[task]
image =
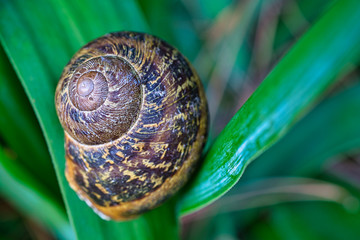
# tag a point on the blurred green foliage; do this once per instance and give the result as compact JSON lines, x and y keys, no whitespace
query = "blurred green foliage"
{"x":301,"y":124}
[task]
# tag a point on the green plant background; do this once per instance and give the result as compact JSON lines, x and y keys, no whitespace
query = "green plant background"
{"x":282,"y":82}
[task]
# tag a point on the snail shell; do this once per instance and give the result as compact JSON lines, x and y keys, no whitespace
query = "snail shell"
{"x":135,"y":119}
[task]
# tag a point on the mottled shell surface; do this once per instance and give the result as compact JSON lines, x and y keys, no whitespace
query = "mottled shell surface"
{"x":135,"y":119}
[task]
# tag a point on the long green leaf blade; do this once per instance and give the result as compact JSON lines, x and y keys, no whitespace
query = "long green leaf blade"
{"x":331,"y":129}
{"x":18,"y":121}
{"x":31,"y":198}
{"x":284,"y":96}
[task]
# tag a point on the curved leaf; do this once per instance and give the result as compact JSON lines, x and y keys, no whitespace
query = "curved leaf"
{"x":332,"y":128}
{"x":285,"y":95}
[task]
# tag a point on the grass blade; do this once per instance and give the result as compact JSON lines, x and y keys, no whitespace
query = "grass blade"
{"x":332,"y":128}
{"x":285,"y":95}
{"x":29,"y":196}
{"x":20,"y":130}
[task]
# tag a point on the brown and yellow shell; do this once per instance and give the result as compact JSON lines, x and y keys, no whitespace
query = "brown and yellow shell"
{"x":135,"y":119}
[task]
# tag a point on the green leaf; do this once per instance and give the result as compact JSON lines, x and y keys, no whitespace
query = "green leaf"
{"x":20,"y":130}
{"x":285,"y":95}
{"x":39,"y":37}
{"x":31,"y":198}
{"x":332,"y":128}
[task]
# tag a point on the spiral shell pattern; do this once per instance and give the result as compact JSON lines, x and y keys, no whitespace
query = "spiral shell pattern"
{"x":135,"y":119}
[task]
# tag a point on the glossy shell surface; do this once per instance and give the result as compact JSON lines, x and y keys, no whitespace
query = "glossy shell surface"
{"x":135,"y":120}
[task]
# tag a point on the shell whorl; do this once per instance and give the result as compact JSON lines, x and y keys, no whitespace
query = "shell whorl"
{"x":135,"y":119}
{"x":105,"y":99}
